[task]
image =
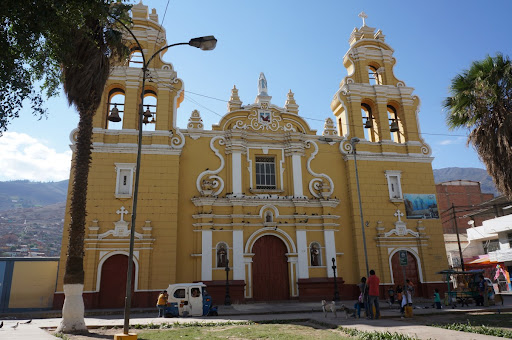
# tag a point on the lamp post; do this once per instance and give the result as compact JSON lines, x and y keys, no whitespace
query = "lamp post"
{"x":207,"y":43}
{"x":353,"y":142}
{"x":336,"y":294}
{"x":227,"y":298}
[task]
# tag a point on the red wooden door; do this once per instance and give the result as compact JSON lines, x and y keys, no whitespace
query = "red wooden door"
{"x":113,"y":281}
{"x":411,"y":272}
{"x":270,"y":280}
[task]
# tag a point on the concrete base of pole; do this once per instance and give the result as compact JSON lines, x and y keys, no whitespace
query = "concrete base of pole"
{"x":129,"y":336}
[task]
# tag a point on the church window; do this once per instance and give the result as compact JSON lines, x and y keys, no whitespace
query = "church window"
{"x":395,"y":125}
{"x":124,"y":179}
{"x":315,"y":254}
{"x":149,"y":110}
{"x":373,"y":75}
{"x":265,"y":173}
{"x":136,"y":59}
{"x":115,"y":109}
{"x":222,"y":255}
{"x":368,"y":122}
{"x":394,"y":185}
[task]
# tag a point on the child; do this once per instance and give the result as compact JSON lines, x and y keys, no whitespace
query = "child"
{"x":437,"y":299}
{"x":391,"y":294}
{"x":399,"y":295}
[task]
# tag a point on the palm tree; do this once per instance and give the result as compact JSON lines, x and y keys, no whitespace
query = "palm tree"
{"x":86,"y":65}
{"x":481,"y":101}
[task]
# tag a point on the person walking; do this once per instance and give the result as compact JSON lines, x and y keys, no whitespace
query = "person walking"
{"x":437,"y":299}
{"x":484,"y":291}
{"x":373,"y":293}
{"x":162,"y":303}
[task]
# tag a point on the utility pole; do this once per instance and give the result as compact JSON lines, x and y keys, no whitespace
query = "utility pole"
{"x":458,"y":238}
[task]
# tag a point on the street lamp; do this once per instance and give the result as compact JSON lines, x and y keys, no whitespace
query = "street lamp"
{"x":206,"y":43}
{"x":336,"y":294}
{"x":227,"y":298}
{"x":353,"y":142}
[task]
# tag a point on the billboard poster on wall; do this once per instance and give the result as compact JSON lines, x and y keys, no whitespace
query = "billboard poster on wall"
{"x":421,"y":206}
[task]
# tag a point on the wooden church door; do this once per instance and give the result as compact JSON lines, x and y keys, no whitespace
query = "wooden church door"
{"x":270,"y":280}
{"x":411,"y":272}
{"x":113,"y":281}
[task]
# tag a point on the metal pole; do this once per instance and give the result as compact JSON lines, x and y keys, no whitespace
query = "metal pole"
{"x":353,"y":142}
{"x":227,"y":298}
{"x":336,"y":294}
{"x":458,"y":238}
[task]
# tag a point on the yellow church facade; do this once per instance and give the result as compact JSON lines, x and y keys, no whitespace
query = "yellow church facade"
{"x":261,"y":192}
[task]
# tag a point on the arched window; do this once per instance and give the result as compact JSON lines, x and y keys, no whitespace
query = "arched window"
{"x":374,"y":76}
{"x":368,"y":122}
{"x":315,"y":254}
{"x":115,"y":109}
{"x":136,"y":59}
{"x":222,"y":255}
{"x":149,"y":110}
{"x":395,"y":125}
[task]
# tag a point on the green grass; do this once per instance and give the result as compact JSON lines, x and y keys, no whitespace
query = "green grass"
{"x":479,"y":329}
{"x":278,"y":331}
{"x":364,"y":335}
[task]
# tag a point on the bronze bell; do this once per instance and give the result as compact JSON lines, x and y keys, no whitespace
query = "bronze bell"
{"x":369,"y":123}
{"x":393,"y":127}
{"x":114,"y":114}
{"x":147,"y":115}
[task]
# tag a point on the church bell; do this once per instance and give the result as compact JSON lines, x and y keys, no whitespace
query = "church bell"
{"x":393,"y":127}
{"x":114,"y":114}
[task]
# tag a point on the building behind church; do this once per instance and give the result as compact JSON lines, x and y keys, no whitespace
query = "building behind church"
{"x":261,"y":190}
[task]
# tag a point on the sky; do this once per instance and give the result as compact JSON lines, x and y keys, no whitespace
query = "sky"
{"x":299,"y":46}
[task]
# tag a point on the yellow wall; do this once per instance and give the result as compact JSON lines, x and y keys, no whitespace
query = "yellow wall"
{"x":33,"y":284}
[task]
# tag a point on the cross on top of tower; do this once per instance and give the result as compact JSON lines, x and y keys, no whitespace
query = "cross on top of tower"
{"x":122,"y":212}
{"x":363,"y":16}
{"x":399,"y":214}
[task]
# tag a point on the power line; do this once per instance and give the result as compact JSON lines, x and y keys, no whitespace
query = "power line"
{"x":303,"y":117}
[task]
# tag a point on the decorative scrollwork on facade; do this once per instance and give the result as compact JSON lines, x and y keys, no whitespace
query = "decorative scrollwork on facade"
{"x":208,"y":183}
{"x":178,"y":141}
{"x":269,"y":122}
{"x":345,"y":147}
{"x":322,"y":186}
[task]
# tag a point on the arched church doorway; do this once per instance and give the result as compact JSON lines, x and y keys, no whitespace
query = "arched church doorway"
{"x":113,"y":281}
{"x":411,"y":272}
{"x":270,"y":280}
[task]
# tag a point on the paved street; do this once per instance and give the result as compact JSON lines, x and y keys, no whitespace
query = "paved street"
{"x":390,"y":321}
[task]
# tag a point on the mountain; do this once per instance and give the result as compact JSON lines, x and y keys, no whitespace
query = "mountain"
{"x":470,"y":174}
{"x":26,"y":194}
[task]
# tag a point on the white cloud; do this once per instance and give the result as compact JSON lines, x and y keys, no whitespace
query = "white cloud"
{"x":24,"y":157}
{"x":447,"y":142}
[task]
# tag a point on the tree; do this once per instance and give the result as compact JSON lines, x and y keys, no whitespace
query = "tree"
{"x":73,"y":42}
{"x":481,"y":101}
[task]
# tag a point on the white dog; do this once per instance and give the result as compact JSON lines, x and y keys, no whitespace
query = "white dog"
{"x":329,"y":307}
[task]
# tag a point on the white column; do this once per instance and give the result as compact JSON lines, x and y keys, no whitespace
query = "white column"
{"x":206,"y":255}
{"x":236,"y":172}
{"x":302,"y":251}
{"x":330,"y":252}
{"x":297,"y":175}
{"x":238,"y":255}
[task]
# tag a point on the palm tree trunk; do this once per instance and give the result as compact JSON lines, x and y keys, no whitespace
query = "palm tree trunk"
{"x":73,"y":309}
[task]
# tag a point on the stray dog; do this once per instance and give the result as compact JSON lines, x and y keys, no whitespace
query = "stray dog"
{"x":348,"y":311}
{"x":329,"y":307}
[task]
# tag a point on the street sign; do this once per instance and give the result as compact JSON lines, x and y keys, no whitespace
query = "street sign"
{"x":403,"y":257}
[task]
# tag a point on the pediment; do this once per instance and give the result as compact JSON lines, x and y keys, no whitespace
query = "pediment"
{"x":265,"y":119}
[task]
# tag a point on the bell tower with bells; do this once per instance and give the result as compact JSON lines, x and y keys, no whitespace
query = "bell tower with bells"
{"x":371,"y":103}
{"x":163,"y":90}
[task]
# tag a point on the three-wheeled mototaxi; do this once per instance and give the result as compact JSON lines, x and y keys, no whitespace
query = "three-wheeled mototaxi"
{"x":189,"y":299}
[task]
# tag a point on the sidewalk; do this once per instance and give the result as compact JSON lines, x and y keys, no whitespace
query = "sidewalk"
{"x":259,"y":312}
